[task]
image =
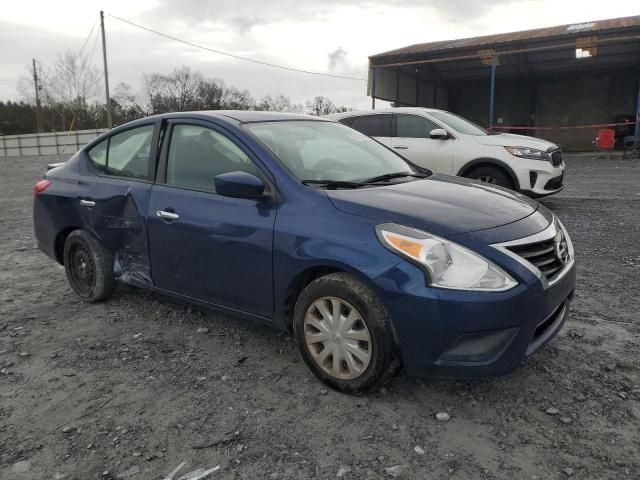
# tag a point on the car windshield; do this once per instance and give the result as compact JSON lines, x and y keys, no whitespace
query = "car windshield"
{"x":328,"y":151}
{"x":459,"y":124}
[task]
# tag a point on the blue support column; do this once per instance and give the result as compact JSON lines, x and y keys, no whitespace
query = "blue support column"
{"x":494,"y":64}
{"x":373,"y":88}
{"x":636,"y":131}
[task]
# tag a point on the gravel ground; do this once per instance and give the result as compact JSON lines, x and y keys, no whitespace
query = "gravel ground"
{"x":132,"y":387}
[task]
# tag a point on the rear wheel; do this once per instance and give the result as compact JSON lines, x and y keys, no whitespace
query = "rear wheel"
{"x":344,"y":334}
{"x":492,"y":175}
{"x":89,"y":267}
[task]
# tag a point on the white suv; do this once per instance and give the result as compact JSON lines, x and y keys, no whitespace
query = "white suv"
{"x":447,"y":143}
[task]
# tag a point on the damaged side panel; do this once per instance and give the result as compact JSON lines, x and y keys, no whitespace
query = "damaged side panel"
{"x":118,"y":219}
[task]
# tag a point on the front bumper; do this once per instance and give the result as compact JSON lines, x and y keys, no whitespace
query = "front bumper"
{"x":457,"y":334}
{"x":552,"y":185}
{"x":539,"y":179}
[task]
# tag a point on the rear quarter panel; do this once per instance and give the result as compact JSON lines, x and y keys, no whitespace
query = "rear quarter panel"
{"x":56,"y":209}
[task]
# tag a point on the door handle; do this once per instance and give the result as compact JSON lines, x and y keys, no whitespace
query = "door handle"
{"x":167,"y":215}
{"x":87,"y":203}
{"x":401,"y":147}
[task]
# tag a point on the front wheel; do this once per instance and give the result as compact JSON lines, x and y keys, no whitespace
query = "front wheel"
{"x":89,"y":267}
{"x":491,"y":175}
{"x":344,"y":334}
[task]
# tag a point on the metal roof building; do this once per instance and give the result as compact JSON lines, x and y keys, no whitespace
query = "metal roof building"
{"x":532,"y":81}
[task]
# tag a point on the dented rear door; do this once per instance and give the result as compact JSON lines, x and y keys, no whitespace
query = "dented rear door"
{"x":113,"y":196}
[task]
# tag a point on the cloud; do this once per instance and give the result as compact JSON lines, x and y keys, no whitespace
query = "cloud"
{"x":337,"y":59}
{"x":18,"y":45}
{"x":276,"y":11}
{"x":333,"y":36}
{"x":244,"y":24}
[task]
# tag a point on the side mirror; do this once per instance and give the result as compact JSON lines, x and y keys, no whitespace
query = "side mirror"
{"x":238,"y":185}
{"x":438,"y":134}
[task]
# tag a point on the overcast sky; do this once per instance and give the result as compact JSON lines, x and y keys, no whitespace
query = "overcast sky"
{"x":334,"y":36}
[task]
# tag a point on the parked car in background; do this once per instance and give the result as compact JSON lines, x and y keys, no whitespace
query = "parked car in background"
{"x":447,"y":143}
{"x":308,"y":225}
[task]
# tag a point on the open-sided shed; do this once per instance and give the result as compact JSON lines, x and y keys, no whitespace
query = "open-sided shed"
{"x":566,"y":76}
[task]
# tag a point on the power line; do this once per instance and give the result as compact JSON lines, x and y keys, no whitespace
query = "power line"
{"x":260,"y":62}
{"x":93,"y":46}
{"x":88,"y":37}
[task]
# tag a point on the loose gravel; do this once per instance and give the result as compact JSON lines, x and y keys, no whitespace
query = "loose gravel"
{"x":133,"y":387}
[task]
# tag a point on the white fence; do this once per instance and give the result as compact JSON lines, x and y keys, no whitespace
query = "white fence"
{"x":50,"y":143}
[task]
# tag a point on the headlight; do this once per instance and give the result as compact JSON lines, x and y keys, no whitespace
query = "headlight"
{"x":526,"y":152}
{"x":447,"y":265}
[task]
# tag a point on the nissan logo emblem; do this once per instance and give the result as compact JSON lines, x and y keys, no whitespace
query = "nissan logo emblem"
{"x":562,"y":250}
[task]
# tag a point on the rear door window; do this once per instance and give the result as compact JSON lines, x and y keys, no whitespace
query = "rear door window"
{"x":124,"y":154}
{"x":373,"y":125}
{"x":413,"y":126}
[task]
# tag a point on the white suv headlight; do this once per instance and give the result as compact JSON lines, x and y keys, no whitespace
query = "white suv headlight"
{"x":526,"y":152}
{"x":447,"y":264}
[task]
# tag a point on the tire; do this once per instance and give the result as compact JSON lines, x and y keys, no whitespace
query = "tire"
{"x":89,"y":267}
{"x":354,"y":374}
{"x":492,"y":175}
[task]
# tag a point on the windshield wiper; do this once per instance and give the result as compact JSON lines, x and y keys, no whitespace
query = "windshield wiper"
{"x":389,"y":176}
{"x":333,"y":183}
{"x":363,"y":183}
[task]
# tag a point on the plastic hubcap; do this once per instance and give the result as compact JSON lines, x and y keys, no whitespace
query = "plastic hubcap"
{"x":337,"y":338}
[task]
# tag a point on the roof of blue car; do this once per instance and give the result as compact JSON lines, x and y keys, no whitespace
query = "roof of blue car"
{"x":246,"y":115}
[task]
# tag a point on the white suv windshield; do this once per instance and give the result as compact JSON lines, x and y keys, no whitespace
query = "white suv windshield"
{"x":317,"y":150}
{"x":458,"y":123}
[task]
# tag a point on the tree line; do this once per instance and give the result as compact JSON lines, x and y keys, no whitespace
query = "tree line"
{"x":70,"y":98}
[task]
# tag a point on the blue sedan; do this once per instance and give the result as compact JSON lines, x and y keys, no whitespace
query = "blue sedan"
{"x":310,"y":226}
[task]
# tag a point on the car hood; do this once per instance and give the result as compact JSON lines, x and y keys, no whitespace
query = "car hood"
{"x":512,"y":140}
{"x":440,"y":204}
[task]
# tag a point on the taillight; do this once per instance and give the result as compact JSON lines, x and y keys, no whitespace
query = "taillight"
{"x":41,"y":186}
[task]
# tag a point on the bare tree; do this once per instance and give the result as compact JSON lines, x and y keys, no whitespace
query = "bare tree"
{"x":182,"y":88}
{"x":179,"y":91}
{"x":320,"y":106}
{"x":279,"y":103}
{"x":72,"y":82}
{"x":234,"y":99}
{"x":69,"y":90}
{"x":125,"y":104}
{"x":210,"y":94}
{"x":153,"y":94}
{"x":70,"y":95}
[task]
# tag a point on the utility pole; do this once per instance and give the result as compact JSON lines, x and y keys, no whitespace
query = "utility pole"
{"x":37,"y":87}
{"x":106,"y":71}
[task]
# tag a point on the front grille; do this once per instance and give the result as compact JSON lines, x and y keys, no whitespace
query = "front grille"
{"x":542,"y":255}
{"x":556,"y":158}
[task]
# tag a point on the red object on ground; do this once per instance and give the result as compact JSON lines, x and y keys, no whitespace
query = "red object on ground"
{"x":606,"y":139}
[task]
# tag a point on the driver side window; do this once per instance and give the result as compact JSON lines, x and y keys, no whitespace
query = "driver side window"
{"x":413,"y":126}
{"x":198,"y":154}
{"x":124,"y":154}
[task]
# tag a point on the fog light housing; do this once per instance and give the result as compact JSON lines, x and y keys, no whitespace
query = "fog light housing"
{"x":478,"y":347}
